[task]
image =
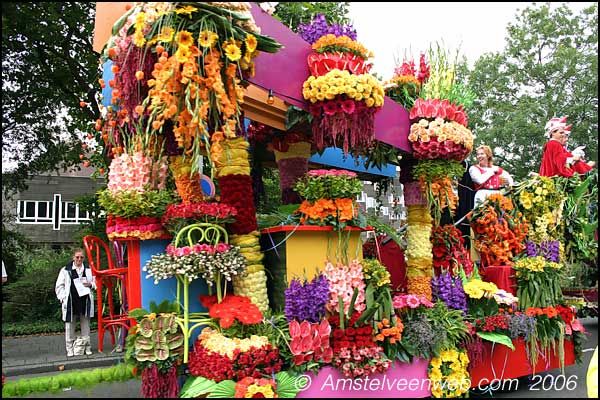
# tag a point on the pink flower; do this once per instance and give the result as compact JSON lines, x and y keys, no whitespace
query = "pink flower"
{"x":348,"y":106}
{"x":222,"y":247}
{"x":330,"y":108}
{"x":412,"y":301}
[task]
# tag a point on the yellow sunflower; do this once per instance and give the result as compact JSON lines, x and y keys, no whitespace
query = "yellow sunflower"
{"x":166,"y":34}
{"x":251,"y":43}
{"x":184,"y":38}
{"x":233,"y":52}
{"x":207,"y":38}
{"x":186,"y":10}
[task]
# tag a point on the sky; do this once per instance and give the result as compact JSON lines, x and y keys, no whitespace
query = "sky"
{"x":396,"y":29}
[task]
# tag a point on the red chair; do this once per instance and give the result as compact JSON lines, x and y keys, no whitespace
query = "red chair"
{"x":106,"y":277}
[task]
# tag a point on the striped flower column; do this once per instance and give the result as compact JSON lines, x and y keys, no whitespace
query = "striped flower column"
{"x":235,"y":183}
{"x":419,"y":252}
{"x":293,"y":164}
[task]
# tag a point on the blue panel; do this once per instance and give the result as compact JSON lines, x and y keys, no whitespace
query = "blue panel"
{"x":334,"y":157}
{"x":107,"y":75}
{"x":166,"y":288}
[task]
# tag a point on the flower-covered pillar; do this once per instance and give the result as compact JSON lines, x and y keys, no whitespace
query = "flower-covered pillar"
{"x":233,"y":172}
{"x":419,"y":256}
{"x":292,"y":161}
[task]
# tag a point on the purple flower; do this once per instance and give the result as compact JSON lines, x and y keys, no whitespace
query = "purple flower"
{"x":450,"y":291}
{"x":319,"y":27}
{"x":306,"y":301}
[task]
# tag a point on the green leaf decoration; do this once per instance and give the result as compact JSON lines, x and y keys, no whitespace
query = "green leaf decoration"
{"x":143,"y":343}
{"x":161,"y":352}
{"x":146,"y":327}
{"x":196,"y":386}
{"x":497,"y":338}
{"x":223,"y":389}
{"x":138,"y":313}
{"x":175,"y":341}
{"x":286,"y":385}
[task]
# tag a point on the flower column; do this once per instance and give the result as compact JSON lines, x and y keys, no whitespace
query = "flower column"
{"x":233,"y":172}
{"x":419,"y":248}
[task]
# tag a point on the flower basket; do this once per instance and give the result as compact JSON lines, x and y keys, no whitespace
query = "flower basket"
{"x":438,"y":139}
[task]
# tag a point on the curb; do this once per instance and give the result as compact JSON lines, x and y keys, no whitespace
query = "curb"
{"x":69,"y":365}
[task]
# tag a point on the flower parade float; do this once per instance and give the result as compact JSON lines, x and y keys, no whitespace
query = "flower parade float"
{"x":335,"y":318}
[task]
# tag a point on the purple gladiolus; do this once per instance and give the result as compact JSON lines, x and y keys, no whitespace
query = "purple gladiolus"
{"x":319,"y":27}
{"x":450,"y":291}
{"x":306,"y":301}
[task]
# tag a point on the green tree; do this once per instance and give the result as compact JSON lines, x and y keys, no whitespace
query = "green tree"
{"x":48,"y":67}
{"x":293,"y":14}
{"x":548,"y":68}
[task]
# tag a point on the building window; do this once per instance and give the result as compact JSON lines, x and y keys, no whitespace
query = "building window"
{"x":34,"y":212}
{"x":71,"y":214}
{"x":44,"y":212}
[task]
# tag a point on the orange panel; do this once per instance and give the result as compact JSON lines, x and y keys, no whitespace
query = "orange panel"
{"x":107,"y":13}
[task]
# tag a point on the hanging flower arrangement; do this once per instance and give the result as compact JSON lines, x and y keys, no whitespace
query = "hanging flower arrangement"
{"x":202,"y":53}
{"x":343,"y":96}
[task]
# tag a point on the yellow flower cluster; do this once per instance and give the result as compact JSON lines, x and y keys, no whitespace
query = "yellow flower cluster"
{"x":419,"y":243}
{"x":253,"y":283}
{"x":419,"y":256}
{"x":534,"y":264}
{"x":214,"y":341}
{"x":457,"y":382}
{"x":476,"y":289}
{"x":424,"y":130}
{"x":341,"y":43}
{"x":336,"y":82}
{"x":373,"y":270}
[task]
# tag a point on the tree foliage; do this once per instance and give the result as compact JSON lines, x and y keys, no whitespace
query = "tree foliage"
{"x":293,"y":14}
{"x":48,"y":67}
{"x":549,"y":67}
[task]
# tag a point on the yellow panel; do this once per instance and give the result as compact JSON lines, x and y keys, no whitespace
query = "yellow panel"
{"x":308,"y":251}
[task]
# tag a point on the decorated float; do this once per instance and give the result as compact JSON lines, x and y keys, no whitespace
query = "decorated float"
{"x":223,"y":308}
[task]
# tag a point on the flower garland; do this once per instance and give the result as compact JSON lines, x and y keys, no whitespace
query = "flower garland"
{"x":448,"y":374}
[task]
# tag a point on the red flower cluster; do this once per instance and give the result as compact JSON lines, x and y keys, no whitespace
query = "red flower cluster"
{"x":351,"y":336}
{"x":140,"y":227}
{"x":236,"y":191}
{"x":232,"y":308}
{"x":490,"y":324}
{"x":449,"y":249}
{"x":436,"y":108}
{"x":447,"y":150}
{"x":252,"y":363}
{"x":320,"y":64}
{"x":199,"y":210}
{"x":566,"y":313}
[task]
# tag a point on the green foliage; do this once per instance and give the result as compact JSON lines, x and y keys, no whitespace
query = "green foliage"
{"x":14,"y":247}
{"x":37,"y":326}
{"x":131,"y":204}
{"x":59,"y":54}
{"x":32,"y":295}
{"x":97,"y":225}
{"x":549,"y":67}
{"x":313,"y":188}
{"x":293,"y":14}
{"x":79,"y":379}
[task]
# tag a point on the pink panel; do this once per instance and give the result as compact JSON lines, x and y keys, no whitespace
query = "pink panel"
{"x":400,"y":381}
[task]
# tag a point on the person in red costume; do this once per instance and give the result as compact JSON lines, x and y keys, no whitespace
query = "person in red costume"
{"x":556,"y":159}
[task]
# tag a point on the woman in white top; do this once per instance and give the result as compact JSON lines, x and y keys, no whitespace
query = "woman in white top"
{"x":487,"y":177}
